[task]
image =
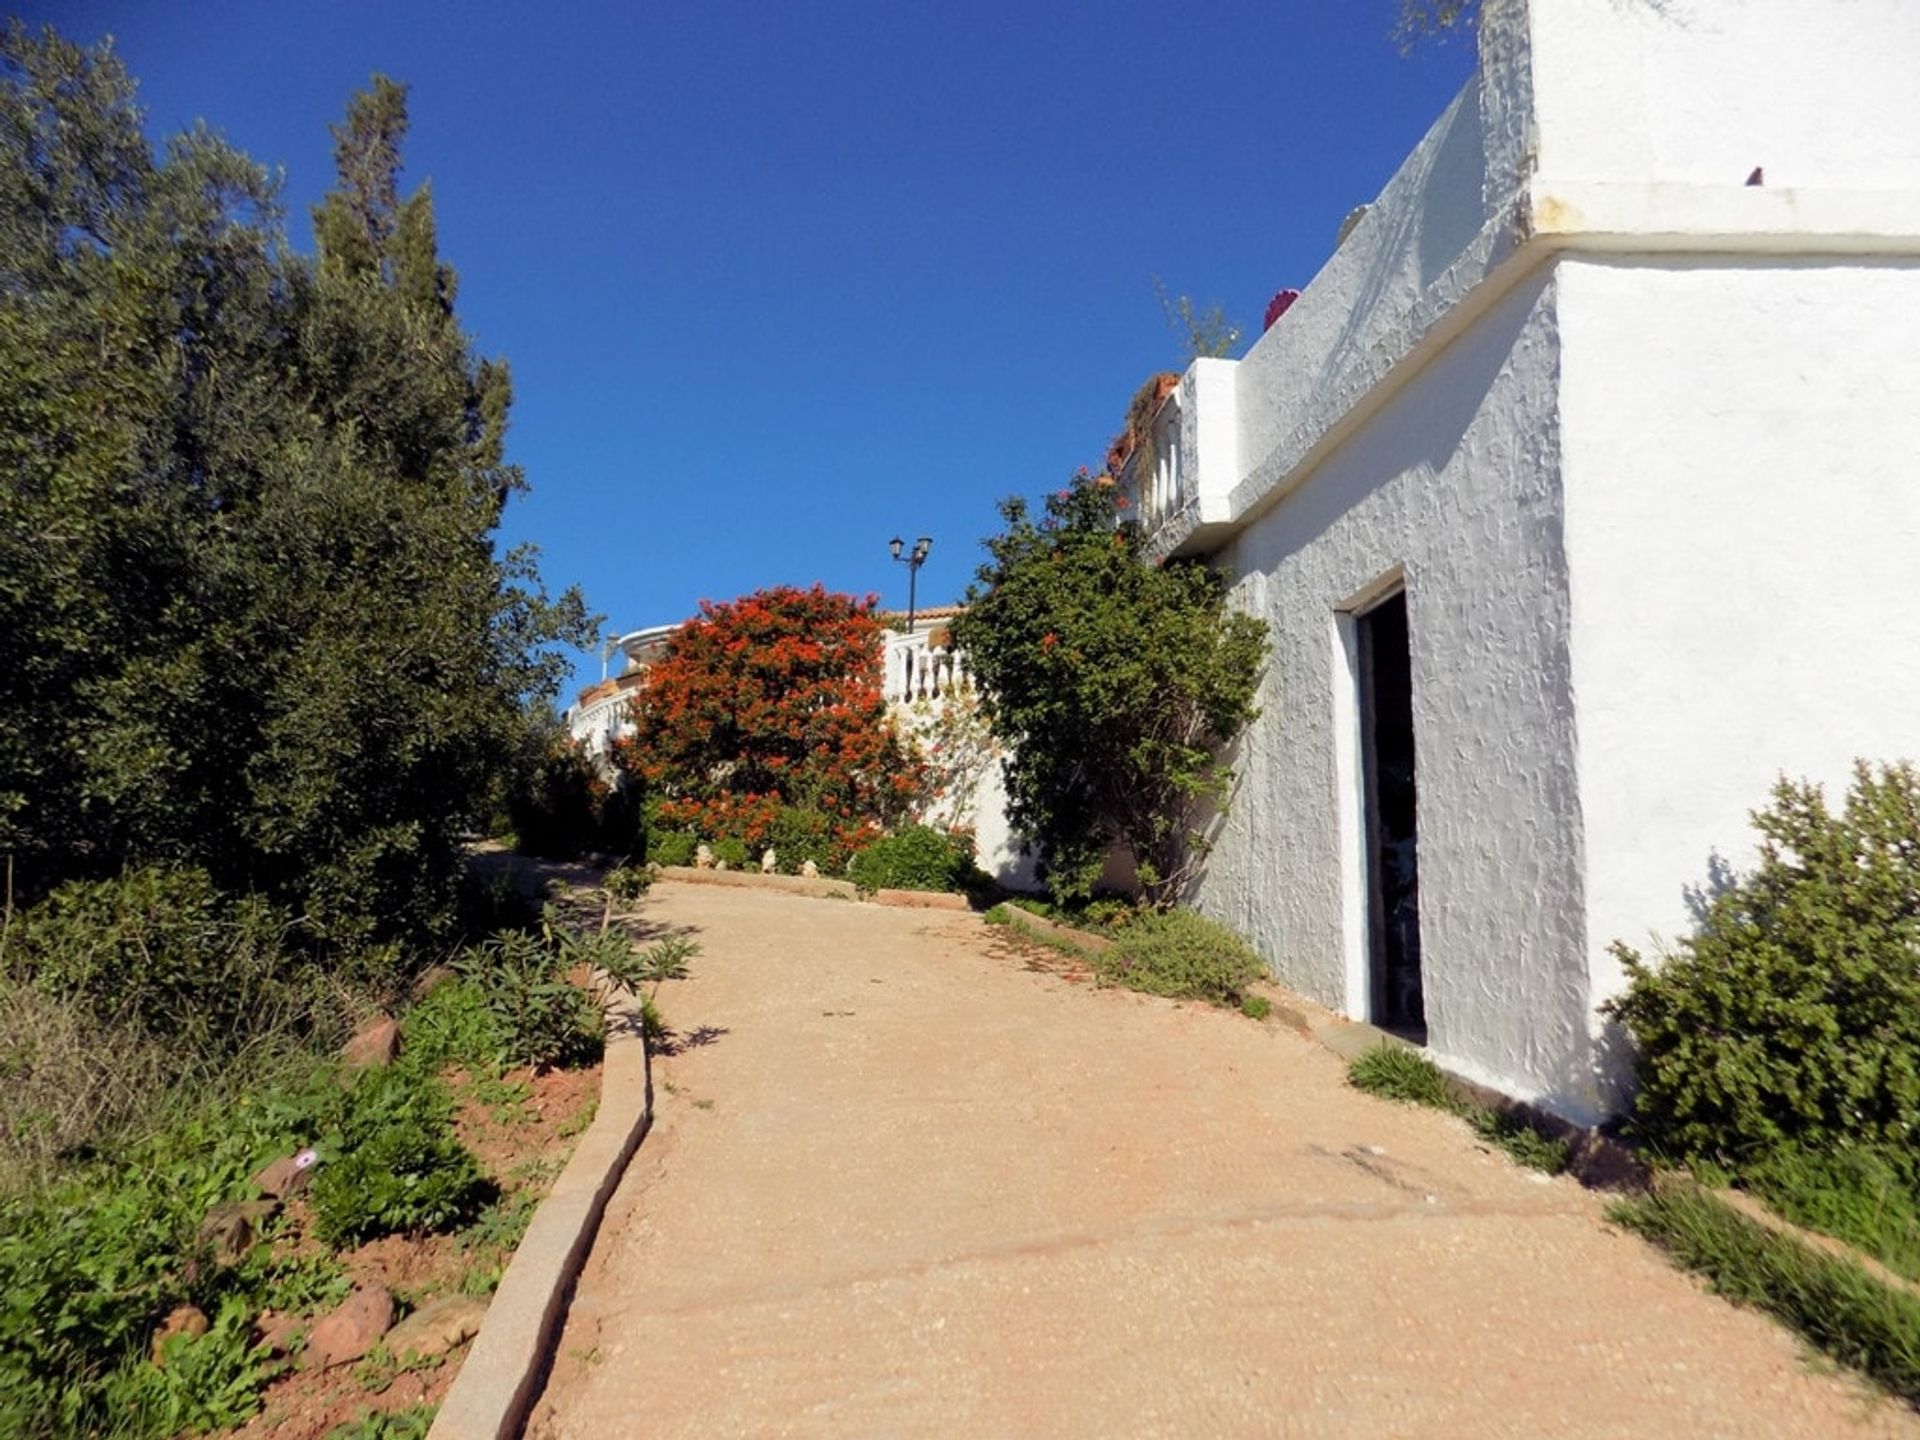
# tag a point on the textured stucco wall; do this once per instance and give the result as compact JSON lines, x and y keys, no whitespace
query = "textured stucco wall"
{"x":1454,"y":483}
{"x":1698,"y":92}
{"x":1742,"y":460}
{"x":1365,"y":305}
{"x":1641,"y":439}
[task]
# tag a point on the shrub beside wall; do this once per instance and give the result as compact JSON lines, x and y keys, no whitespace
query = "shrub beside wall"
{"x":1181,"y":954}
{"x":1792,"y":1016}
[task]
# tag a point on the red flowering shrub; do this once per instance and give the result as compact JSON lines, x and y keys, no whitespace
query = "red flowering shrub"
{"x":767,"y":701}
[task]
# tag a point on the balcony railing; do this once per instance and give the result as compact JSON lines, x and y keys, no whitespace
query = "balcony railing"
{"x":1156,"y":478}
{"x":917,"y":669}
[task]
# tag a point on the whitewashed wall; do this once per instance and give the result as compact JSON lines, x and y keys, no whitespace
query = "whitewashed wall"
{"x":1742,"y":461}
{"x":1698,"y":92}
{"x":1641,"y":440}
{"x":1452,"y":487}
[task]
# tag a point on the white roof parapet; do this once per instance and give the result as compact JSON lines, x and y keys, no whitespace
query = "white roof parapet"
{"x":1622,"y":127}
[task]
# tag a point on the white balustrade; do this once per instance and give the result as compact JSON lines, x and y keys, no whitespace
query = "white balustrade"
{"x":1160,"y":490}
{"x":916,"y":669}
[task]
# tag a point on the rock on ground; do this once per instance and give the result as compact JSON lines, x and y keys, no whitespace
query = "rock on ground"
{"x":438,"y":1326}
{"x":350,"y":1331}
{"x":182,"y":1320}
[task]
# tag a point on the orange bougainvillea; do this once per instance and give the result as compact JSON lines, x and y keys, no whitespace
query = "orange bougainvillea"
{"x":769,"y":700}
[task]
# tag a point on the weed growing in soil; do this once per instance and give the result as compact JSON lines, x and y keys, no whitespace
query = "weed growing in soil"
{"x":210,"y":1381}
{"x":577,"y":1123}
{"x":1523,"y":1144}
{"x":296,"y":1284}
{"x":1008,"y":916}
{"x":413,"y":1423}
{"x":1860,"y":1194}
{"x":381,"y":1367}
{"x":539,"y":1018}
{"x":1833,"y":1302}
{"x":1393,"y":1072}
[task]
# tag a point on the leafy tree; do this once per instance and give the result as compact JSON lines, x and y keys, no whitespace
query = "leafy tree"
{"x":773,"y":700}
{"x":251,"y":615}
{"x":1113,"y":682}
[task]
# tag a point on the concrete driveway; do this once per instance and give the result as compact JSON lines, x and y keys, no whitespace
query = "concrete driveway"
{"x":902,"y":1182}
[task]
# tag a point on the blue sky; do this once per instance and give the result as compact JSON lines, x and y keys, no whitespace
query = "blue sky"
{"x":778,"y":282}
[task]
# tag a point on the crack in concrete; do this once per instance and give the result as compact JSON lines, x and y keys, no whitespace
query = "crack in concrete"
{"x":1171,"y":1227}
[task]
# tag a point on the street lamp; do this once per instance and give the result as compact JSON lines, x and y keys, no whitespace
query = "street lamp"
{"x":913,"y":560}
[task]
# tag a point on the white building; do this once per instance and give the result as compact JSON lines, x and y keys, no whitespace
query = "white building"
{"x":599,"y":716}
{"x":1580,"y":489}
{"x":922,"y":678}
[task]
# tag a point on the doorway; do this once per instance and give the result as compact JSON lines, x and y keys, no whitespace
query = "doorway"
{"x":1397,"y":999}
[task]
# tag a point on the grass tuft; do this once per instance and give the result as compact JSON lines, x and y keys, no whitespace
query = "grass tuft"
{"x":1832,"y":1302}
{"x":1523,"y":1144}
{"x":1394,"y":1072}
{"x":1858,"y":1194}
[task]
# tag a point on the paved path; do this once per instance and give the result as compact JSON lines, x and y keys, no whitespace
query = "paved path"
{"x":910,"y":1186}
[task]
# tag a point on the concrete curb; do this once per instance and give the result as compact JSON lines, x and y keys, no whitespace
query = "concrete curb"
{"x":501,"y":1378}
{"x":819,"y":887}
{"x":921,"y":899}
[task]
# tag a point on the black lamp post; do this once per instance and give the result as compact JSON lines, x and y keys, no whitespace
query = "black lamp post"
{"x":913,"y":560}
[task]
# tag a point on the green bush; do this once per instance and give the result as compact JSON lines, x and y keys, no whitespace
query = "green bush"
{"x":1115,"y":686}
{"x":732,"y":853}
{"x":454,"y":1025}
{"x":92,"y":1259}
{"x":800,"y":834}
{"x":412,"y":1176}
{"x":628,"y":883}
{"x":210,"y":1382}
{"x":671,"y":847}
{"x":389,"y":1160}
{"x":916,"y":858}
{"x":1184,"y":955}
{"x":555,"y":809}
{"x":1792,"y":1015}
{"x":497,"y":898}
{"x":163,"y":951}
{"x":539,"y":1018}
{"x":564,"y":805}
{"x":97,"y":1252}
